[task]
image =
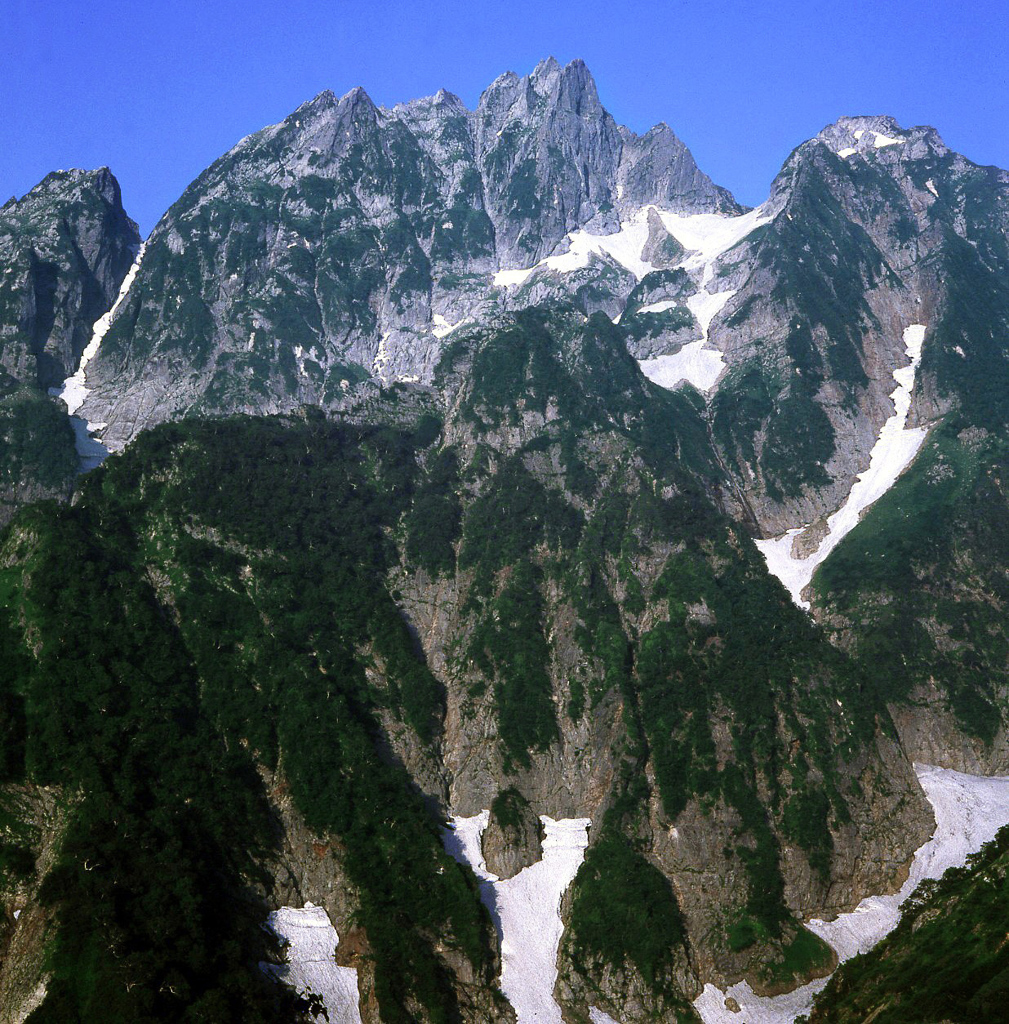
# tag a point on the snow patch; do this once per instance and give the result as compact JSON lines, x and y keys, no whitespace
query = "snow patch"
{"x":892,"y":453}
{"x":705,"y":236}
{"x":381,"y":357}
{"x":930,"y":185}
{"x":526,"y":908}
{"x":858,"y":133}
{"x":510,"y":278}
{"x":74,"y":389}
{"x":442,"y":328}
{"x":969,"y":810}
{"x":705,"y":306}
{"x":850,"y":151}
{"x":882,"y":140}
{"x":598,"y":1017}
{"x":693,"y":364}
{"x":623,"y":246}
{"x":659,"y":307}
{"x":311,"y":966}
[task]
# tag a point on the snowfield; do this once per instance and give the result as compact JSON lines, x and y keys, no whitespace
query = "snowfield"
{"x":74,"y":389}
{"x":694,"y":363}
{"x":623,"y":246}
{"x":526,"y":909}
{"x":892,"y":453}
{"x":969,"y":810}
{"x":705,"y":237}
{"x":311,"y":966}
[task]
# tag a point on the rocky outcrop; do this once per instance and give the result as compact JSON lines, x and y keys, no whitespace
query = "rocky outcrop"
{"x":26,"y":927}
{"x":65,"y":248}
{"x":513,"y":835}
{"x":307,"y":869}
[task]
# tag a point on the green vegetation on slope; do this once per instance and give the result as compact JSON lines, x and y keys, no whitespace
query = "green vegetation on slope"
{"x":947,"y":960}
{"x":220,"y":588}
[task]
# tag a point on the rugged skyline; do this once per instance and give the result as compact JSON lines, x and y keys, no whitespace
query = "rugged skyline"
{"x":741,"y":87}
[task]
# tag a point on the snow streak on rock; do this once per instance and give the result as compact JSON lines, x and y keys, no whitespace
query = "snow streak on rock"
{"x":624,"y":247}
{"x":74,"y":390}
{"x":969,"y":810}
{"x":526,"y":909}
{"x":311,"y":966}
{"x":891,"y":455}
{"x":598,"y":1017}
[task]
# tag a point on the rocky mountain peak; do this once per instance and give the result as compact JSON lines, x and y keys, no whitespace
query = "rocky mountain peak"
{"x":444,"y":98}
{"x":357,"y":105}
{"x":571,"y":87}
{"x":881,"y":134}
{"x":324,"y":101}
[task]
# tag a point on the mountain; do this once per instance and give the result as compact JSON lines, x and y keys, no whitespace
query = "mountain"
{"x":349,"y":241}
{"x":65,"y":248}
{"x":485,"y":563}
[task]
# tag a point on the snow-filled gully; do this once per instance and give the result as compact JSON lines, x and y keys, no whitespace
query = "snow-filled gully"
{"x":969,"y":810}
{"x":310,"y":967}
{"x":895,"y":448}
{"x":526,"y":910}
{"x":74,"y":389}
{"x":705,"y":237}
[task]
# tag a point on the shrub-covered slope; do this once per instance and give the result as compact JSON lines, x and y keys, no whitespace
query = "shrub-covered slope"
{"x":532,"y":588}
{"x":947,"y":960}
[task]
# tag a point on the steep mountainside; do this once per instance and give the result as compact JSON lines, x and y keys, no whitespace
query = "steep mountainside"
{"x":946,"y":961}
{"x":458,"y":452}
{"x":65,"y":248}
{"x":534,"y":590}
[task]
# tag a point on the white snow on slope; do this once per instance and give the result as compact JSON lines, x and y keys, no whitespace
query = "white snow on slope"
{"x":74,"y":390}
{"x":969,"y":810}
{"x":598,"y":1017}
{"x":441,"y":327}
{"x":882,"y":140}
{"x":892,"y":453}
{"x":849,"y":151}
{"x":526,"y":909}
{"x":694,"y":363}
{"x":311,"y":966}
{"x":659,"y":307}
{"x":705,"y":236}
{"x":624,"y":246}
{"x":930,"y":185}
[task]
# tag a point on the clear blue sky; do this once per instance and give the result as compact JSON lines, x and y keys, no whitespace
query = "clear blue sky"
{"x":158,"y":90}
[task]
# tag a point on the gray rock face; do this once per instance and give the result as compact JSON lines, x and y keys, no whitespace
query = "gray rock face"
{"x":65,"y":248}
{"x":349,"y":241}
{"x":512,"y":838}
